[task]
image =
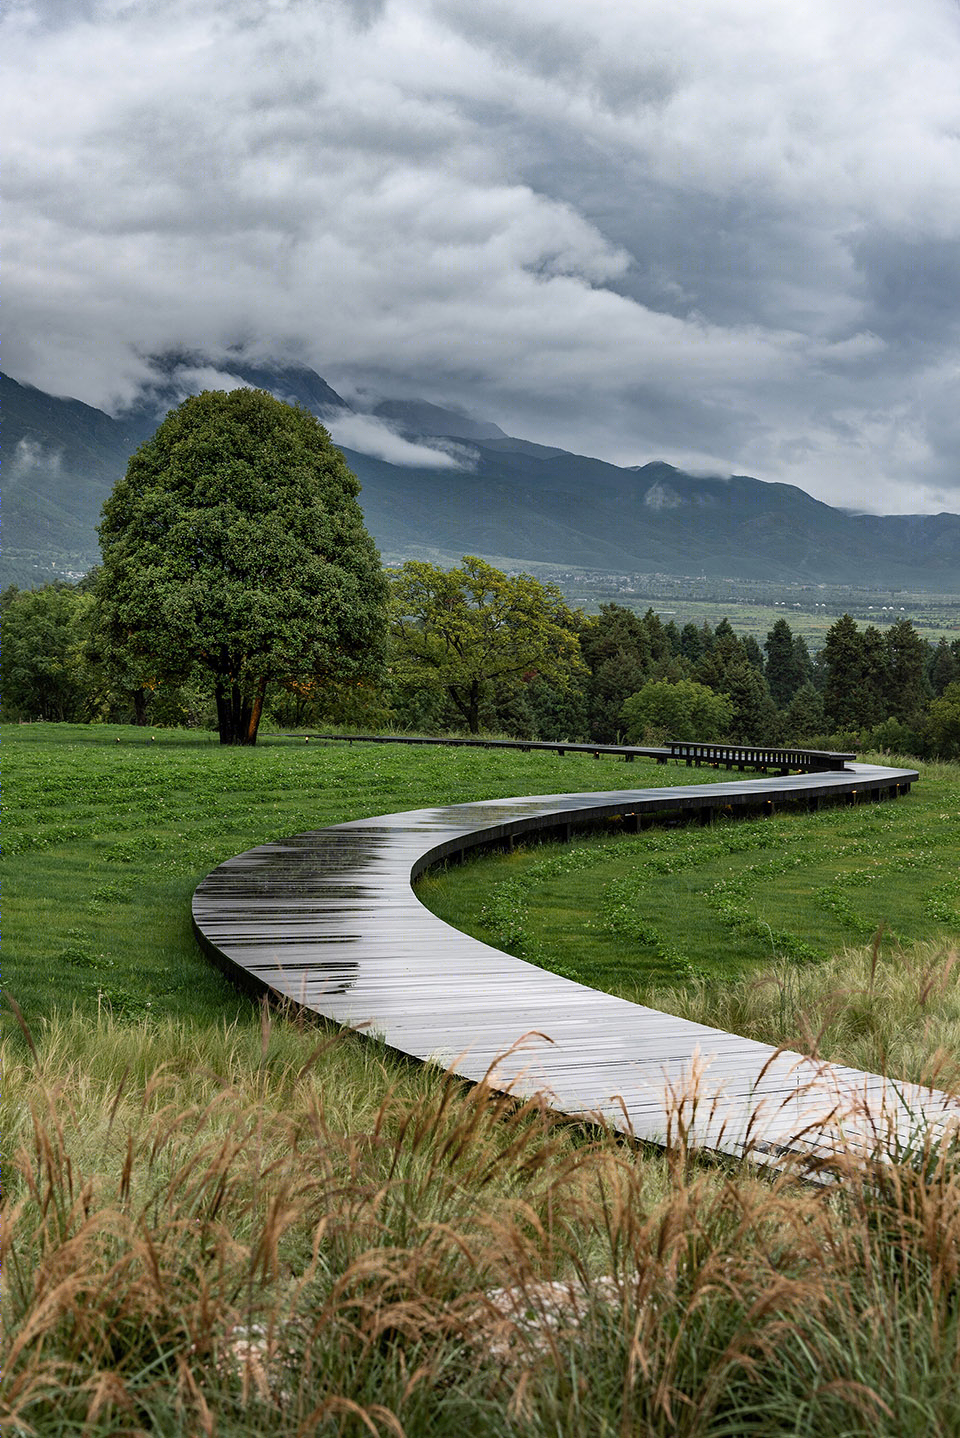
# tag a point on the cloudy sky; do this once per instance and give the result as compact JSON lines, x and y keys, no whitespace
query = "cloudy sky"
{"x":719,"y":232}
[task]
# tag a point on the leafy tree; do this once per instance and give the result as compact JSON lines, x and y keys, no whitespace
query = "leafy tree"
{"x":43,"y":666}
{"x":235,"y":545}
{"x":469,"y":630}
{"x":685,"y":710}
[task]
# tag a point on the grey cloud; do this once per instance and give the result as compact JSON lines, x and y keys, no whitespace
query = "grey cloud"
{"x":721,"y":235}
{"x":371,"y":436}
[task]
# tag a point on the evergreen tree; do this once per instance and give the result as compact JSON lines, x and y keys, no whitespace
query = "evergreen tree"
{"x":782,"y":670}
{"x":802,"y":658}
{"x":907,"y":690}
{"x":804,"y":716}
{"x":943,"y":668}
{"x":875,"y":679}
{"x":754,"y":712}
{"x":752,"y":652}
{"x":616,"y":646}
{"x":844,"y":661}
{"x":692,"y":646}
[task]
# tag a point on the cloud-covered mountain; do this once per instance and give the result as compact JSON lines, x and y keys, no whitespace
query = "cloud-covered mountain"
{"x":441,"y":482}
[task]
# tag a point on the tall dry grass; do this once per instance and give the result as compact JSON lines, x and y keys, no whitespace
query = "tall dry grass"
{"x":884,"y":1007}
{"x":230,"y":1232}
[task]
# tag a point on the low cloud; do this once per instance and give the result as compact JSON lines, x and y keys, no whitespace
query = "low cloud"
{"x":189,"y":381}
{"x":30,"y":458}
{"x":371,"y":436}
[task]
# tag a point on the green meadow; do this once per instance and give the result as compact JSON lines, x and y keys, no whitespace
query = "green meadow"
{"x":108,"y":830}
{"x":712,"y":904}
{"x":222,"y":1221}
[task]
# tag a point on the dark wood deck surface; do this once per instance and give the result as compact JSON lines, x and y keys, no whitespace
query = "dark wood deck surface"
{"x":329,"y":920}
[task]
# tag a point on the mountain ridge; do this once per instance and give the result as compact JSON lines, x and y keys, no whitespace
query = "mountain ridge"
{"x":497,"y":495}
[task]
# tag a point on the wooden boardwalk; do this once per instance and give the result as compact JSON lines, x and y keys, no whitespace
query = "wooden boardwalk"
{"x":328,"y":919}
{"x":730,"y":756}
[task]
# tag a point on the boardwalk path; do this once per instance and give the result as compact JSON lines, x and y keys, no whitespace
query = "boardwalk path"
{"x":328,"y":918}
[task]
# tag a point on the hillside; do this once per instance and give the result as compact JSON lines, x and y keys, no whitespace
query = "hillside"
{"x":509,"y":498}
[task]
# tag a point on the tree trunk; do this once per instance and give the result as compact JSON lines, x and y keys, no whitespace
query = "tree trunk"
{"x":473,"y":708}
{"x":238,"y":716}
{"x":223,"y":713}
{"x":253,"y":723}
{"x":140,"y":707}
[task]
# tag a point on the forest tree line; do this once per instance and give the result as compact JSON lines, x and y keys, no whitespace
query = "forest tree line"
{"x":472,"y":649}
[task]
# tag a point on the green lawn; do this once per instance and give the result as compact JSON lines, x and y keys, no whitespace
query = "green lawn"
{"x":673,"y":904}
{"x":108,"y":830}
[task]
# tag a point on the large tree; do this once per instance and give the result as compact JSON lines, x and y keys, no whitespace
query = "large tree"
{"x":234,"y":545}
{"x":468,"y":629}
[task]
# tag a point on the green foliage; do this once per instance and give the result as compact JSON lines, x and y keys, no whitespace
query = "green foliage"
{"x":784,"y":667}
{"x":945,"y":721}
{"x":464,"y":631}
{"x":42,"y":668}
{"x":622,"y":650}
{"x":684,"y":710}
{"x":908,"y":689}
{"x":944,"y":666}
{"x":754,"y":717}
{"x":804,"y":716}
{"x":222,"y":1223}
{"x":235,"y":545}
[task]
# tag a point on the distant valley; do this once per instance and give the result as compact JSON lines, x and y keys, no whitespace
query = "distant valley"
{"x":472,"y":489}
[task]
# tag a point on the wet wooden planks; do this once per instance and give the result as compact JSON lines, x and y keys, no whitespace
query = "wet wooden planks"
{"x":328,"y":919}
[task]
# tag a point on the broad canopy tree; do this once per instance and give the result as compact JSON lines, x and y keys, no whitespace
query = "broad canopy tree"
{"x":463,"y":630}
{"x":235,"y":545}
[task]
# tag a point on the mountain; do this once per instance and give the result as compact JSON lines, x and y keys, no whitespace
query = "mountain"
{"x":416,"y":419}
{"x":508,"y":498}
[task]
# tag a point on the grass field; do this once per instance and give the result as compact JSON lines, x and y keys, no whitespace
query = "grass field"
{"x":222,"y":1223}
{"x":108,"y":830}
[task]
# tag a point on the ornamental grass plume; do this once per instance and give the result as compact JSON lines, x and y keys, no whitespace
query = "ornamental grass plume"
{"x":232,"y":1231}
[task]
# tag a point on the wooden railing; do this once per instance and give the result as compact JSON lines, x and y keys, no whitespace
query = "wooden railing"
{"x":756,"y":756}
{"x":732,"y":756}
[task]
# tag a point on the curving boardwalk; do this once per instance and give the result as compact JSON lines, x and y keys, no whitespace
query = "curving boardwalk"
{"x":328,"y":919}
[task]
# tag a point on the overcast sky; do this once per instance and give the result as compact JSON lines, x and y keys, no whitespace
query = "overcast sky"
{"x":718,"y":232}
